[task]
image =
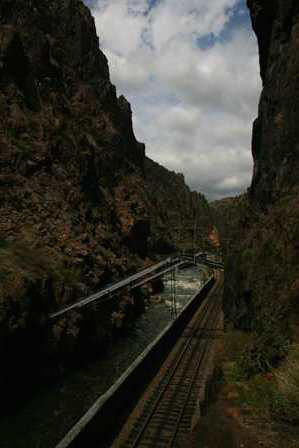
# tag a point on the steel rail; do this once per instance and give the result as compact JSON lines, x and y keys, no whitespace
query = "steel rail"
{"x":195,"y":374}
{"x":174,"y":368}
{"x":210,"y":316}
{"x":213,"y":310}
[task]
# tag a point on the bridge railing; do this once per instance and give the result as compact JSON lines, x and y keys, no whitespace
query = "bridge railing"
{"x":131,"y":282}
{"x":169,"y":263}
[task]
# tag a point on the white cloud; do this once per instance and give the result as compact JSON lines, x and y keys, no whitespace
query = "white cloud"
{"x":192,"y":18}
{"x":121,"y":24}
{"x":192,"y":107}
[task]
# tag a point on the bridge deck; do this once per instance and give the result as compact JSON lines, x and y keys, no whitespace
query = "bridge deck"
{"x":140,"y":278}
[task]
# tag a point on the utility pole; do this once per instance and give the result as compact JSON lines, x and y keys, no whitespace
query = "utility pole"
{"x":173,"y":292}
{"x":194,"y":232}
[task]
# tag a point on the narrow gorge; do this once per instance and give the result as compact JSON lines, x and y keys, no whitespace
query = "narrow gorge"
{"x":82,"y":206}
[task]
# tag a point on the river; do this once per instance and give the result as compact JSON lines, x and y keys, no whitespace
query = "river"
{"x":49,"y":415}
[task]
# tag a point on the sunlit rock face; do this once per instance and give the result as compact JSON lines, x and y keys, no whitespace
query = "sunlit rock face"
{"x":276,"y":133}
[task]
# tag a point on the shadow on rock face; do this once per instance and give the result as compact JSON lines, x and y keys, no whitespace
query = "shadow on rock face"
{"x":16,"y":67}
{"x":137,"y":239}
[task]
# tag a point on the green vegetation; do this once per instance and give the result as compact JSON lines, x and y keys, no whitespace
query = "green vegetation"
{"x":106,"y":253}
{"x":68,"y":275}
{"x":24,"y":147}
{"x":265,"y":352}
{"x":274,"y":395}
{"x":23,"y":264}
{"x":3,"y":244}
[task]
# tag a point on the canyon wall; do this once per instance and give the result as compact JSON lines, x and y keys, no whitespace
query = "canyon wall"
{"x":275,"y":132}
{"x":261,"y":285}
{"x":80,"y":204}
{"x":184,"y":218}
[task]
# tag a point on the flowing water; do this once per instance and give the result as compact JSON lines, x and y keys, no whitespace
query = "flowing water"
{"x":45,"y":420}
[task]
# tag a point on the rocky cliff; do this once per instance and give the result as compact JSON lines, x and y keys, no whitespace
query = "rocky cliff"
{"x":262,"y":289}
{"x":79,"y":200}
{"x":226,"y":214}
{"x":275,"y":132}
{"x":187,"y":227}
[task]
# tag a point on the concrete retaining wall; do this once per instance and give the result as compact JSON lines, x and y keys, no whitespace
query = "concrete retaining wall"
{"x":109,"y":410}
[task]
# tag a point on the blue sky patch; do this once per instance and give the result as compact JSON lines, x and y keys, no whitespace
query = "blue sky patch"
{"x":239,"y":18}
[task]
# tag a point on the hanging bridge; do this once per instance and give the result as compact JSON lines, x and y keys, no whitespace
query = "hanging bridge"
{"x":174,"y":368}
{"x":157,"y":400}
{"x":152,"y":395}
{"x":142,"y":277}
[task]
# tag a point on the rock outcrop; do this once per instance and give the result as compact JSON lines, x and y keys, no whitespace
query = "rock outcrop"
{"x":261,"y":282}
{"x":227,"y":215}
{"x":275,"y":131}
{"x":77,"y":209}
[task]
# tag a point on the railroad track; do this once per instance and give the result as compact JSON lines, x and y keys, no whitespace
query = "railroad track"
{"x":167,"y":412}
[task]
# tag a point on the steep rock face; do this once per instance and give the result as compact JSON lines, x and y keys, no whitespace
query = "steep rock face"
{"x":261,"y":282}
{"x":261,"y":277}
{"x":275,"y":132}
{"x":66,"y":139}
{"x":76,"y":211}
{"x":230,"y":217}
{"x":67,"y":151}
{"x":184,"y":227}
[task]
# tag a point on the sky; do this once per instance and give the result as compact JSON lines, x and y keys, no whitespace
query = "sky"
{"x":190,"y":70}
